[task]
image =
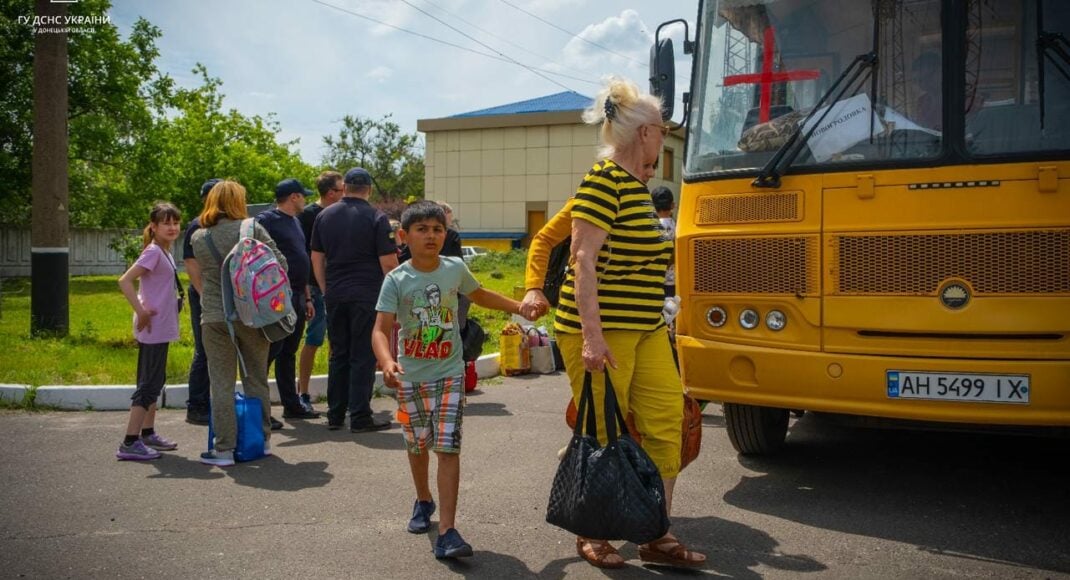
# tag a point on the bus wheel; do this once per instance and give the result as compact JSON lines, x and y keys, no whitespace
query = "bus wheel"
{"x":755,"y":430}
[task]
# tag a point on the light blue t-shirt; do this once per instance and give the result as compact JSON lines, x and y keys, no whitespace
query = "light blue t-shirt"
{"x":425,"y":303}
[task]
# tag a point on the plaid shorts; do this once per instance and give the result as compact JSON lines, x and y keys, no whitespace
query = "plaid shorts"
{"x":432,"y":412}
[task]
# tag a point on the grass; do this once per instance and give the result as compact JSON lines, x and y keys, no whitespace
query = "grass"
{"x":101,"y":350}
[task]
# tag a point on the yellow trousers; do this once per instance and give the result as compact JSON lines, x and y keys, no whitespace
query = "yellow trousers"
{"x":647,"y":384}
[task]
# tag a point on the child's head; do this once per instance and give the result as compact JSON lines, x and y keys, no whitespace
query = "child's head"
{"x":424,"y":227}
{"x":163,"y":227}
{"x":422,"y":211}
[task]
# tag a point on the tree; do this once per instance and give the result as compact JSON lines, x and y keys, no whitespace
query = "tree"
{"x":114,"y":86}
{"x":135,"y":137}
{"x":394,"y":159}
{"x":200,"y":140}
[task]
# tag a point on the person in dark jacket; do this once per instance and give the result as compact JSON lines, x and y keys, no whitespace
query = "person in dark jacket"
{"x":282,"y":225}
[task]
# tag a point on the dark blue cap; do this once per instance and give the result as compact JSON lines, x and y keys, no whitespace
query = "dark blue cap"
{"x":290,"y":186}
{"x":208,"y":185}
{"x":358,"y":176}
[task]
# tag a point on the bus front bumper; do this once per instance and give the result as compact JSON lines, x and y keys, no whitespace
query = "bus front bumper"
{"x":859,"y":384}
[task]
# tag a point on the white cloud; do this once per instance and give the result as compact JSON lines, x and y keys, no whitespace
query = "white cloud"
{"x":297,"y":58}
{"x":380,"y":74}
{"x":615,"y":41}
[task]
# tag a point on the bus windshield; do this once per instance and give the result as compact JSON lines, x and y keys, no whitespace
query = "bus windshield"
{"x":764,"y":65}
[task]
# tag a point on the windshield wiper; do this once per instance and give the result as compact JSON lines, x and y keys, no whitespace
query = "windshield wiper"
{"x":770,"y":175}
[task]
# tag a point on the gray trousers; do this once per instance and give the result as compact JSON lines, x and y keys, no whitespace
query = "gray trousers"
{"x":223,"y":368}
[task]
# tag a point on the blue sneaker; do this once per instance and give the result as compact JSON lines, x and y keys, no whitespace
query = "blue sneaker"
{"x":452,"y":545}
{"x":421,"y":516}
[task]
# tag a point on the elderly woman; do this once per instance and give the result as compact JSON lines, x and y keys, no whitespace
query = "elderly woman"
{"x":609,"y":314}
{"x":224,"y":210}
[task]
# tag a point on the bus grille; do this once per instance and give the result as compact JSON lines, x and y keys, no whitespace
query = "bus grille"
{"x":748,"y":208}
{"x":1035,"y":262}
{"x":771,"y":265}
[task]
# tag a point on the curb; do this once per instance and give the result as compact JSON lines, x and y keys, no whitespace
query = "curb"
{"x":117,"y":397}
{"x":13,"y":393}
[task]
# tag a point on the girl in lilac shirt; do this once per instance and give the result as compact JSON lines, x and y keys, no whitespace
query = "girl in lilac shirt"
{"x":156,"y":303}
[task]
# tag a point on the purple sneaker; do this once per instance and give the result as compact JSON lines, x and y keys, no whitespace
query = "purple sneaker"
{"x":155,"y":441}
{"x":136,"y":451}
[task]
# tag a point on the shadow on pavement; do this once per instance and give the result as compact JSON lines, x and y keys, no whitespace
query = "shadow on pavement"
{"x":274,"y":474}
{"x":487,"y":410}
{"x":171,"y":466}
{"x":732,"y":549}
{"x":482,"y":564}
{"x":980,"y":497}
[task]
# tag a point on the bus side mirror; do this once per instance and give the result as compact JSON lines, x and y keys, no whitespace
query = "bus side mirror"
{"x":663,"y":75}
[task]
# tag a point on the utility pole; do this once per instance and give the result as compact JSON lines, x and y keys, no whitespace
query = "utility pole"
{"x":49,"y":230}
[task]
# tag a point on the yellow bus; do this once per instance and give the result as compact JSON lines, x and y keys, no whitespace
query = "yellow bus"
{"x":875,"y":215}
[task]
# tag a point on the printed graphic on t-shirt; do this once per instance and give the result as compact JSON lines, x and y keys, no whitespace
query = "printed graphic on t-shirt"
{"x":435,"y":320}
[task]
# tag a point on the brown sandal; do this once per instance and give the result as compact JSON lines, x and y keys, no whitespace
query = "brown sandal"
{"x":677,"y":555}
{"x":600,"y":550}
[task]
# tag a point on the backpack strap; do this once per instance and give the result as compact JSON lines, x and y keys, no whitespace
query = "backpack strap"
{"x":248,"y":229}
{"x":228,"y":296}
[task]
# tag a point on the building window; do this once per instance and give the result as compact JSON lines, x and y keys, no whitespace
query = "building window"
{"x":667,"y":164}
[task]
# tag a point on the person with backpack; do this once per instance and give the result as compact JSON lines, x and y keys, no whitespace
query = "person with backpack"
{"x":156,"y":303}
{"x":222,"y":220}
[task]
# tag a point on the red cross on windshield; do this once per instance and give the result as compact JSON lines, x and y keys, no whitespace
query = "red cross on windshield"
{"x":767,"y":77}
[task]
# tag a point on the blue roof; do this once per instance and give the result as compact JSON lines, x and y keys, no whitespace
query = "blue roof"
{"x":566,"y":101}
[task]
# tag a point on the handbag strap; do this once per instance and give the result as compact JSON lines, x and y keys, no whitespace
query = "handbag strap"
{"x":586,"y":419}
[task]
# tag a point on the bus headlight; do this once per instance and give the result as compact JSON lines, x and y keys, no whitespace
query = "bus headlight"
{"x":716,"y":316}
{"x":749,"y":318}
{"x":776,"y":320}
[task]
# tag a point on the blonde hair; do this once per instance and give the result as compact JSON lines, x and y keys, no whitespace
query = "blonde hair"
{"x":225,"y":200}
{"x":621,"y":110}
{"x":162,"y":212}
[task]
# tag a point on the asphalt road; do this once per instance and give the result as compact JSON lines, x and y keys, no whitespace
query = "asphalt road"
{"x":842,"y":503}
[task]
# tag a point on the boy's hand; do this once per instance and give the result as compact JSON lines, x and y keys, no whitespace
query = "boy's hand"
{"x":144,"y":318}
{"x":391,"y":372}
{"x":535,"y":298}
{"x":529,"y":310}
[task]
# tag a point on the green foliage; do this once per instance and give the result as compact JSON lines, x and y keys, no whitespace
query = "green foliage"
{"x":135,"y":137}
{"x":491,"y":261}
{"x":101,"y":348}
{"x":129,"y":246}
{"x":393,"y":158}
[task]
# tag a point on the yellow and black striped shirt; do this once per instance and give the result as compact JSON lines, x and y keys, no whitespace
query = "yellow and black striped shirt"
{"x":632,"y":263}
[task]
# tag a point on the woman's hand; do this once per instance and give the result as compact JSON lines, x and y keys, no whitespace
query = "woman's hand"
{"x":535,"y":301}
{"x":310,"y":311}
{"x":391,"y":372}
{"x":144,"y":319}
{"x":596,"y":354}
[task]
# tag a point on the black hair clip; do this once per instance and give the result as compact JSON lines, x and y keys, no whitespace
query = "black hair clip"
{"x":611,"y":110}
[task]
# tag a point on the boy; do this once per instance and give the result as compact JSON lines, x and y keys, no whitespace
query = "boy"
{"x":422,"y":295}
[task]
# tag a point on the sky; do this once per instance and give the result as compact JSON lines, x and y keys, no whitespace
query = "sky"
{"x":313,"y":61}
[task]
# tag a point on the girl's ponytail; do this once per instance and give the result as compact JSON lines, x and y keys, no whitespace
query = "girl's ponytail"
{"x":146,"y":236}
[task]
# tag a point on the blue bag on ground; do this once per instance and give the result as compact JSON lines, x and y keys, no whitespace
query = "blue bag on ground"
{"x":250,"y":444}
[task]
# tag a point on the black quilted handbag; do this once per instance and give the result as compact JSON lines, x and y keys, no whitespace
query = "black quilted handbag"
{"x":607,"y":493}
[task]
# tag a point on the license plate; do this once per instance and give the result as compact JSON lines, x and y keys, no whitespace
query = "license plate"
{"x":963,"y":387}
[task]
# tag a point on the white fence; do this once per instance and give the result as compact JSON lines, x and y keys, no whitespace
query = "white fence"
{"x":90,"y":254}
